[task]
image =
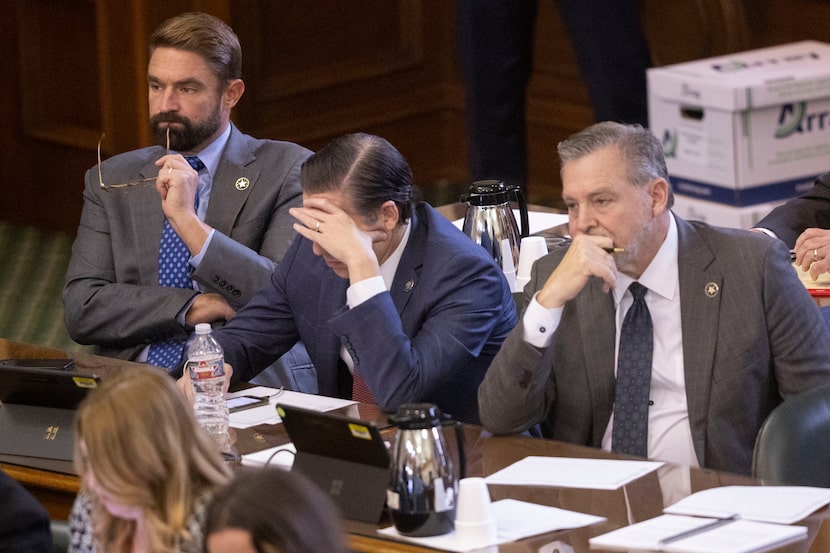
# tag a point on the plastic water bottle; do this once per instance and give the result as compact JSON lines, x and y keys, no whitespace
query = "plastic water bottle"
{"x":206,"y":366}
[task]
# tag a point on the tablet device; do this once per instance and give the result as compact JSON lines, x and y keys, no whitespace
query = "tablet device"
{"x":37,"y":413}
{"x":347,"y":458}
{"x":44,"y":387}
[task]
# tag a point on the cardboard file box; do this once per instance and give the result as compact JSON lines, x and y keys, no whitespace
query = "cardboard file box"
{"x":721,"y":215}
{"x":745,"y":129}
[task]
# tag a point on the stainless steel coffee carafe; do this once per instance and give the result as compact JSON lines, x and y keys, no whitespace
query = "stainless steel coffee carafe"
{"x":424,"y":477}
{"x":490,"y":222}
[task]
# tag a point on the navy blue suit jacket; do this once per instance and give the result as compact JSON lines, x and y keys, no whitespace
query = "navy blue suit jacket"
{"x":428,"y":339}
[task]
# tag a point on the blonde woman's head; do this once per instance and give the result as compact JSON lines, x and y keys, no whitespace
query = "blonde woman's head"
{"x":141,"y":454}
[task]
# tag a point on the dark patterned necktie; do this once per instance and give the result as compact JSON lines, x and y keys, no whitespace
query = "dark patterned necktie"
{"x":630,"y":432}
{"x":173,"y":273}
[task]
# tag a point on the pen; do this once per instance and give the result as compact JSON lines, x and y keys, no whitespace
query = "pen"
{"x":614,"y":250}
{"x":699,"y":530}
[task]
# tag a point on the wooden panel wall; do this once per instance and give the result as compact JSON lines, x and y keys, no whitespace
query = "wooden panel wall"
{"x":314,"y":70}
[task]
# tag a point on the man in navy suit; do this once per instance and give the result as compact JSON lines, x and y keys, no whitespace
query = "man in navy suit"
{"x":386,"y":294}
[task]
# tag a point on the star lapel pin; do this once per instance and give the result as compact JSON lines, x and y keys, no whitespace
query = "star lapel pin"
{"x":242,"y":183}
{"x":712,"y":289}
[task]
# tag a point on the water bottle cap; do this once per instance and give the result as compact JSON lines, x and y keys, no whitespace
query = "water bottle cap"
{"x":203,"y":328}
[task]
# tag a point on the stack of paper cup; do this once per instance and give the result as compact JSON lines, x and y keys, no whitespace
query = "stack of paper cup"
{"x":475,"y":525}
{"x":532,"y":248}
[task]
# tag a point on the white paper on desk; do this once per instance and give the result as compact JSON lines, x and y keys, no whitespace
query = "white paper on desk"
{"x":538,"y":220}
{"x":567,"y":472}
{"x":520,"y":519}
{"x":738,"y":536}
{"x":281,"y":456}
{"x":267,"y":414}
{"x":515,"y":520}
{"x":779,"y":504}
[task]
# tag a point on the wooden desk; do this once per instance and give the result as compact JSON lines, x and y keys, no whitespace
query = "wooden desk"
{"x":640,"y":500}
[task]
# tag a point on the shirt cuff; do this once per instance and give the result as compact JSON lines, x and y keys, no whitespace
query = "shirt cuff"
{"x":540,"y":323}
{"x":364,"y":290}
{"x":766,"y":231}
{"x":197,"y":259}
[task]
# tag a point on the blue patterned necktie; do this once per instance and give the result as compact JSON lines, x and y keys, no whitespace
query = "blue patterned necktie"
{"x":631,"y":403}
{"x":173,"y":273}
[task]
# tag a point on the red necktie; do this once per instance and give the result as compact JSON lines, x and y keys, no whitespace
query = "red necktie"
{"x":360,"y":392}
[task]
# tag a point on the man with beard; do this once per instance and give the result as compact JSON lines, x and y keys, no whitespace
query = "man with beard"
{"x":186,"y":231}
{"x":719,"y":330}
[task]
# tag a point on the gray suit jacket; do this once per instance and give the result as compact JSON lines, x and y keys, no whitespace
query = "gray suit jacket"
{"x":111,"y":294}
{"x":761,"y":338}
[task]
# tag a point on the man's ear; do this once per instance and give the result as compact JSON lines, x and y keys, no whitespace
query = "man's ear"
{"x":233,"y":92}
{"x":390,"y":216}
{"x":659,"y":192}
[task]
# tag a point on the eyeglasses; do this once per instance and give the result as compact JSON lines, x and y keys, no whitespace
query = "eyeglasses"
{"x":124,"y":184}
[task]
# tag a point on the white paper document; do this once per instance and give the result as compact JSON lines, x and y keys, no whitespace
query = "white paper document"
{"x":281,"y":456}
{"x":567,"y":472}
{"x":515,"y":520}
{"x":779,"y":504}
{"x":683,"y":534}
{"x":267,"y":414}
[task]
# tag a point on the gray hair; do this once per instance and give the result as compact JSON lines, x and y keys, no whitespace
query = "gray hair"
{"x":641,"y":150}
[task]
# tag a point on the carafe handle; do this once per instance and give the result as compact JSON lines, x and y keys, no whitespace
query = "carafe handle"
{"x":523,"y":214}
{"x":459,"y":438}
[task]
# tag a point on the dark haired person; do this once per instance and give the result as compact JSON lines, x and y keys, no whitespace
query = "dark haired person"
{"x":381,"y":289}
{"x":181,"y":246}
{"x":677,"y":346}
{"x":272,"y":511}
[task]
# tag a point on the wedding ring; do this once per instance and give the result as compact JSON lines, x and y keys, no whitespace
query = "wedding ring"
{"x":317,"y":228}
{"x":815,"y":255}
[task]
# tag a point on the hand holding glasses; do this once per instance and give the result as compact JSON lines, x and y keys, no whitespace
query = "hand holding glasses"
{"x":124,"y":184}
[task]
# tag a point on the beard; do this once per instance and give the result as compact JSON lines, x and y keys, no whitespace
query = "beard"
{"x":189,"y":136}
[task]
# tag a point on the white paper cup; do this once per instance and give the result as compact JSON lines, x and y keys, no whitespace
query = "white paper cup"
{"x":475,"y":525}
{"x":531,"y":249}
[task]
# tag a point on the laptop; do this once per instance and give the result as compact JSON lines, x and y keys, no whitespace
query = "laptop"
{"x":346,"y":457}
{"x":37,"y":411}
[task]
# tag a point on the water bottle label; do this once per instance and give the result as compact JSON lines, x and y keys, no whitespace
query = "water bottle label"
{"x":200,"y":370}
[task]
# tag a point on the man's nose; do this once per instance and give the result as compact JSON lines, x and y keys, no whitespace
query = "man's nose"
{"x":169,"y":101}
{"x":584,"y":220}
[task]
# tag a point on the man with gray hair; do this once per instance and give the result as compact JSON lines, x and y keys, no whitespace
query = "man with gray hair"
{"x":719,"y":330}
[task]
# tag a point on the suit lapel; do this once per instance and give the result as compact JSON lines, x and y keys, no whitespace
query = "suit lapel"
{"x":409,"y":268}
{"x":595,"y":313}
{"x":332,"y":301}
{"x":147,"y":221}
{"x":700,"y":299}
{"x":236,"y":176}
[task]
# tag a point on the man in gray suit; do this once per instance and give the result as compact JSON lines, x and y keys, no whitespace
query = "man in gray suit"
{"x":229,"y":216}
{"x":729,"y":331}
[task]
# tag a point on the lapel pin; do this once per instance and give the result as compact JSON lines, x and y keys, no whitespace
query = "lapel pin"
{"x":242,"y":183}
{"x":410,"y":284}
{"x":712,"y":289}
